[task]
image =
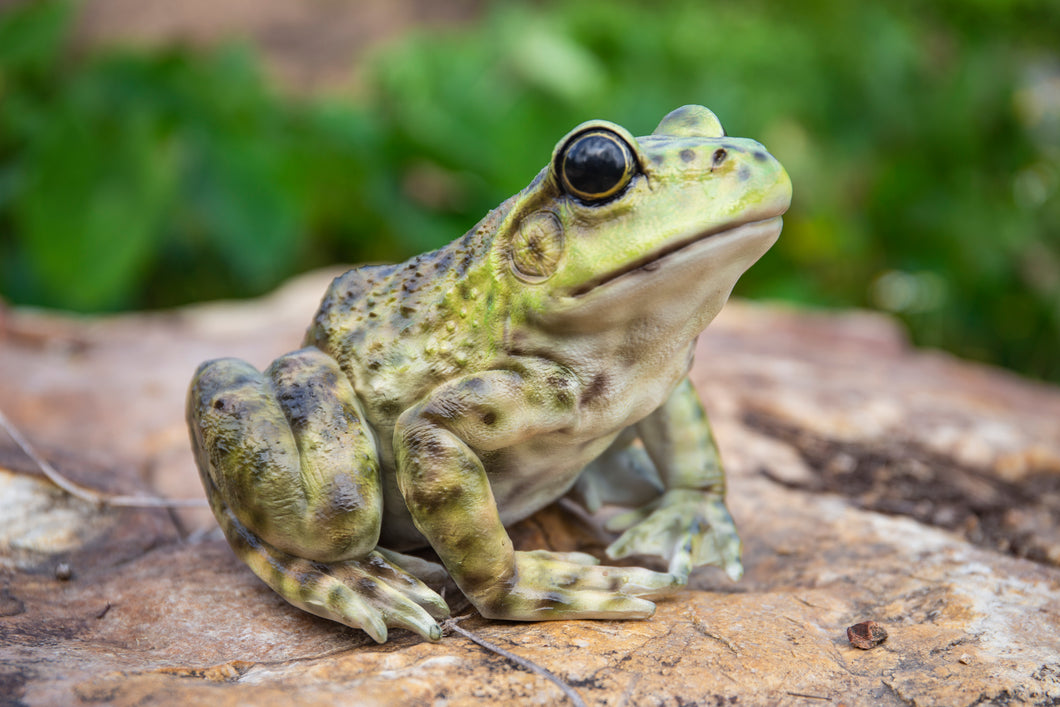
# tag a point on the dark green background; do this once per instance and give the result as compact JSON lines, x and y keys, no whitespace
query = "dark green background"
{"x":923,"y":140}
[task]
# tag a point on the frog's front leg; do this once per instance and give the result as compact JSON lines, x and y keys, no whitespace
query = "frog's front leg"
{"x":292,"y":474}
{"x":688,"y":524}
{"x":447,"y":491}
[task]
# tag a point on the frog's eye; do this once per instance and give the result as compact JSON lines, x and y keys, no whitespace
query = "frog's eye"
{"x":596,"y":165}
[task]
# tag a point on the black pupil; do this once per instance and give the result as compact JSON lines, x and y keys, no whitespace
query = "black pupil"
{"x":595,"y":164}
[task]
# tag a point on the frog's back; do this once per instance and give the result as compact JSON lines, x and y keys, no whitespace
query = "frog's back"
{"x":400,"y":330}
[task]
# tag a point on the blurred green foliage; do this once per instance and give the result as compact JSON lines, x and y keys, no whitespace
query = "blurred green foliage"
{"x":923,"y":140}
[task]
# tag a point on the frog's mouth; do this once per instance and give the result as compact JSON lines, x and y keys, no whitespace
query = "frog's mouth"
{"x":653,"y":261}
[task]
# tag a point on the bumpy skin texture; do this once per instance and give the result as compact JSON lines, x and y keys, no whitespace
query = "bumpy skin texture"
{"x":438,"y":400}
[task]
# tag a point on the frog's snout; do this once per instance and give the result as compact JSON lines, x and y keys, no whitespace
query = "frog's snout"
{"x":761,"y":172}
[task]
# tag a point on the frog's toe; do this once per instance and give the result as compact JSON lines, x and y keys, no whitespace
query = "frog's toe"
{"x":576,"y":558}
{"x":696,"y":548}
{"x":595,"y":604}
{"x":372,"y":607}
{"x":399,"y":611}
{"x":396,"y":597}
{"x":334,"y":600}
{"x":687,"y":528}
{"x":368,"y":593}
{"x":646,"y":584}
{"x":536,"y":604}
{"x":549,"y":587}
{"x":640,"y":540}
{"x":624,"y":521}
{"x":424,"y":570}
{"x":397,"y":587}
{"x":627,"y":581}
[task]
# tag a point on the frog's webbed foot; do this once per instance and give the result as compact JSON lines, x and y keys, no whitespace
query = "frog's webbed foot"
{"x":375,"y":593}
{"x":687,"y":527}
{"x":370,"y":593}
{"x":573,"y":585}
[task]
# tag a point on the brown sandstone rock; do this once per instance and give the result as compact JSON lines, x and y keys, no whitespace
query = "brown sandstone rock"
{"x":870,"y":482}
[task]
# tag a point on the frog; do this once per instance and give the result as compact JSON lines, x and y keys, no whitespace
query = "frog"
{"x":438,"y":401}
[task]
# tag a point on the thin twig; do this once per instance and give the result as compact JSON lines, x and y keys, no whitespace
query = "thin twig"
{"x":810,"y":697}
{"x":87,"y":494}
{"x":569,"y":691}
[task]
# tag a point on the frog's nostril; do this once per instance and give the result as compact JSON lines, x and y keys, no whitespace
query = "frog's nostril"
{"x":719,"y":156}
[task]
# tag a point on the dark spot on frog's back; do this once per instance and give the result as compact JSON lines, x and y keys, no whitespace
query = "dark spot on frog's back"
{"x":444,"y":260}
{"x":688,"y":155}
{"x":465,"y":263}
{"x":760,"y":156}
{"x":346,"y":287}
{"x":353,"y":340}
{"x":595,"y":389}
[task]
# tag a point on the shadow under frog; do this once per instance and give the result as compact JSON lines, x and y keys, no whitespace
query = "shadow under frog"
{"x":438,"y":400}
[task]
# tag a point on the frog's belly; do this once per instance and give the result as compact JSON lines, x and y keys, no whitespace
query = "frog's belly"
{"x":529,"y":476}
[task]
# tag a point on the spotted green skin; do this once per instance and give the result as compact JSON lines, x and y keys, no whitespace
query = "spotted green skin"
{"x":439,"y":400}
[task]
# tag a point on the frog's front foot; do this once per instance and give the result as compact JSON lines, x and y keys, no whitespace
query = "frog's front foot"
{"x":687,"y":527}
{"x":573,"y":585}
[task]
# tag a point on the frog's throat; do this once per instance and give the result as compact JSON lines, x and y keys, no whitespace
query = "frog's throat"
{"x":653,"y":261}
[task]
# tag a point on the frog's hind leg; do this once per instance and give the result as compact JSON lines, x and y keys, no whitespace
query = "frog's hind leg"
{"x":369,"y":594}
{"x":292,"y":474}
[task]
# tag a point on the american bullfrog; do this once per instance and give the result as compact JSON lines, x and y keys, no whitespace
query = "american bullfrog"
{"x":438,"y":400}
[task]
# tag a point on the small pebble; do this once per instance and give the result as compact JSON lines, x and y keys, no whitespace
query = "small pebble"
{"x":63,"y":572}
{"x":866,"y":635}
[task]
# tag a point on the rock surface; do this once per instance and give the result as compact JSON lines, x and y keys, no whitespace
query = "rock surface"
{"x":871,"y":482}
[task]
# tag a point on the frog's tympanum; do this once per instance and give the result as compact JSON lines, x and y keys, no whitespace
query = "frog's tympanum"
{"x":547,"y":350}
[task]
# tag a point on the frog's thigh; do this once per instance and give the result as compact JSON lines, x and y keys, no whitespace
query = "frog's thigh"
{"x":289,"y":453}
